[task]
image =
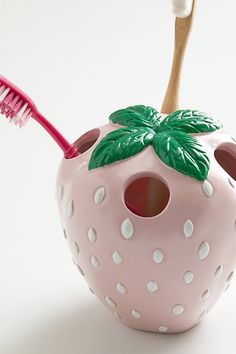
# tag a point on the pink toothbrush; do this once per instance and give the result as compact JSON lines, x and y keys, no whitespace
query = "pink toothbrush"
{"x":19,"y":108}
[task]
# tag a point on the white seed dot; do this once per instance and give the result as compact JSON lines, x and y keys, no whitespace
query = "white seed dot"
{"x":202,"y":315}
{"x":95,"y":262}
{"x":136,"y":314}
{"x":121,"y":288}
{"x":80,"y":270}
{"x":188,"y":228}
{"x":116,"y":257}
{"x":127,"y":229}
{"x":188,"y":277}
{"x":158,"y":256}
{"x":231,"y":183}
{"x":203,"y":250}
{"x":75,"y":247}
{"x":99,"y":195}
{"x":117,"y":316}
{"x":177,"y":309}
{"x":234,"y":139}
{"x":206,"y":294}
{"x":92,"y":235}
{"x":92,"y":291}
{"x":219,"y":271}
{"x":110,"y":301}
{"x":60,"y":193}
{"x":162,"y":329}
{"x":207,"y":189}
{"x":70,"y":209}
{"x":152,"y":286}
{"x":230,"y":276}
{"x":81,"y":166}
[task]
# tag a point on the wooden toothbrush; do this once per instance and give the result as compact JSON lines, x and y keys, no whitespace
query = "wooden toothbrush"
{"x":183,"y":27}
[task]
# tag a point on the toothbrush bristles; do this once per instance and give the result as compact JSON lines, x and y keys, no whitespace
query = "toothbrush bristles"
{"x":18,"y":108}
{"x":13,"y":107}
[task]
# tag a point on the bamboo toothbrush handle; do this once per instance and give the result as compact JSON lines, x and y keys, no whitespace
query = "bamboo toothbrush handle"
{"x":183,"y":28}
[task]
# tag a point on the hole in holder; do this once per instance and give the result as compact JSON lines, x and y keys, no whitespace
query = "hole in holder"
{"x":147,"y":196}
{"x":226,"y":158}
{"x":87,"y":140}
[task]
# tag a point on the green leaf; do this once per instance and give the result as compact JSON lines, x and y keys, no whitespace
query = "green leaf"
{"x":119,"y":145}
{"x":183,"y":153}
{"x":137,"y":116}
{"x":190,"y":121}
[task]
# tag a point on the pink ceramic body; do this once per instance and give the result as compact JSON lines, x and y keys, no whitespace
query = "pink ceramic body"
{"x":176,"y":305}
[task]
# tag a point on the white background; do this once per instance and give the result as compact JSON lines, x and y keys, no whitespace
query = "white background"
{"x":80,"y":60}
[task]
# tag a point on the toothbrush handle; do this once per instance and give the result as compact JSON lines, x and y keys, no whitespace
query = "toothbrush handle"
{"x":183,"y":27}
{"x":69,"y":150}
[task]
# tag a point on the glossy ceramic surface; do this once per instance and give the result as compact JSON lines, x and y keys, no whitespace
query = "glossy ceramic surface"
{"x":162,"y":273}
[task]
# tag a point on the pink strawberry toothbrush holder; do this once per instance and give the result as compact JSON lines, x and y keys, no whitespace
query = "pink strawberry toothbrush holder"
{"x":147,"y":230}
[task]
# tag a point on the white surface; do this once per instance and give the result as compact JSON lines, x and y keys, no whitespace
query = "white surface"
{"x":80,"y":61}
{"x":182,"y":8}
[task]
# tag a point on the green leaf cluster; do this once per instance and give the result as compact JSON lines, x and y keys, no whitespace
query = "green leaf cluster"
{"x":169,"y":136}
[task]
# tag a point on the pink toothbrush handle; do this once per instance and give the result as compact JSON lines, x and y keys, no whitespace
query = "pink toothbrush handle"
{"x":69,"y":150}
{"x":12,"y":103}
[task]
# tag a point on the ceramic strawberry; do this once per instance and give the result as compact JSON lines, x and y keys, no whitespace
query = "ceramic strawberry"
{"x":147,"y":204}
{"x":149,"y":215}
